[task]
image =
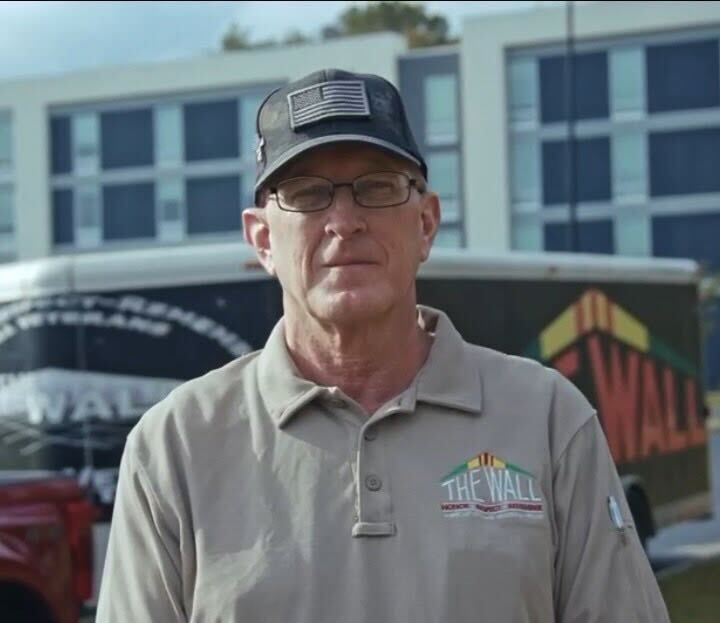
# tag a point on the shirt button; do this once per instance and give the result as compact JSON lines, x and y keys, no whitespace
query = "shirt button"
{"x":370,"y":434}
{"x":373,"y":483}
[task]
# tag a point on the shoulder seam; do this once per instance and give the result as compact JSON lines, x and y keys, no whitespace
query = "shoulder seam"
{"x":582,"y":427}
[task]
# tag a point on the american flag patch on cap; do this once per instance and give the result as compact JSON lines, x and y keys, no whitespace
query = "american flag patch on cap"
{"x":338,"y":98}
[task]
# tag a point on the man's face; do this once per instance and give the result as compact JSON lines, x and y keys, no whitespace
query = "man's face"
{"x":348,"y":262}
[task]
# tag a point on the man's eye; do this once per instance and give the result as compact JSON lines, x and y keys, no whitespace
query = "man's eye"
{"x":377,"y":187}
{"x":312,"y":190}
{"x":307,"y":192}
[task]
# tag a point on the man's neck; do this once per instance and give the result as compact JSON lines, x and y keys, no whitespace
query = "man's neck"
{"x":371,"y":364}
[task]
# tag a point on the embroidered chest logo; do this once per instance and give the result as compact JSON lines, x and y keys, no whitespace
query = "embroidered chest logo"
{"x":488,"y":486}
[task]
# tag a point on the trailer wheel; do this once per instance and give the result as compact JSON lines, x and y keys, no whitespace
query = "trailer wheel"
{"x":20,"y":605}
{"x":642,"y":516}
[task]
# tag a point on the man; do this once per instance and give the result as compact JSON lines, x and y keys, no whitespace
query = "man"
{"x":367,"y":464}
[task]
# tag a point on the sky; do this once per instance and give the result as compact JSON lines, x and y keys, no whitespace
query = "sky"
{"x":40,"y":38}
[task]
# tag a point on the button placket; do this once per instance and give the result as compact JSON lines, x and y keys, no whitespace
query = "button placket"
{"x":372,"y":489}
{"x":370,"y":434}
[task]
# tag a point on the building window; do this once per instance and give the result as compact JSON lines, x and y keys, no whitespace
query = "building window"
{"x":683,"y":162}
{"x":128,"y":211}
{"x":87,"y":216}
{"x":63,"y":221}
{"x":213,"y":204}
{"x":60,"y":145}
{"x":440,"y":109}
{"x":168,"y":135}
{"x":523,"y":90}
{"x":627,"y":83}
{"x":629,"y":166}
{"x":683,"y":76}
{"x":448,"y":238}
{"x":6,"y":148}
{"x":592,"y":237}
{"x":171,"y":209}
{"x":7,"y":213}
{"x":632,"y":233}
{"x":527,"y":234}
{"x":525,"y":173}
{"x":443,"y":170}
{"x":592,"y":170}
{"x":688,"y":235}
{"x":127,"y":138}
{"x":163,"y":171}
{"x":85,"y":139}
{"x":211,"y":130}
{"x":590,"y":93}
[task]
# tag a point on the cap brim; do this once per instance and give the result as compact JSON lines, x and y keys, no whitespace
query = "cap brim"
{"x":326,"y":140}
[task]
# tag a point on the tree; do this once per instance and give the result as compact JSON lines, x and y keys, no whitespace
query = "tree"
{"x":295,"y":36}
{"x":331,"y":31}
{"x":407,"y":18}
{"x":236,"y":39}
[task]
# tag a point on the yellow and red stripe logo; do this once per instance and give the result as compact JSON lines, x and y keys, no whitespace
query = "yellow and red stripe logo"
{"x":594,"y":311}
{"x":484,"y":459}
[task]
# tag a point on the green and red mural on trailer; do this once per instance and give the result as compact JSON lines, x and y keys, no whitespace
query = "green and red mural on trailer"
{"x":647,"y":395}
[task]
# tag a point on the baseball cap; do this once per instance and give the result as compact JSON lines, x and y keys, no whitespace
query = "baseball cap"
{"x":331,"y":106}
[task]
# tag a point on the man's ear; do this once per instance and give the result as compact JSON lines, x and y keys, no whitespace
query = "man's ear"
{"x":257,"y":234}
{"x":429,"y":222}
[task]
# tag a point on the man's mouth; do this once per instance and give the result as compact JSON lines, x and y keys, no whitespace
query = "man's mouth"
{"x":342,"y":263}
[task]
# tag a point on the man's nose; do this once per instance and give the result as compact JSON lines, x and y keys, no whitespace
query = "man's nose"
{"x":345,"y":217}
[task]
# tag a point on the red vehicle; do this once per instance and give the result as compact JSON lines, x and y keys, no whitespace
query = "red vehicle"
{"x":46,"y":558}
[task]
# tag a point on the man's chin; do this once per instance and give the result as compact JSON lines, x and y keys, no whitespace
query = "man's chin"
{"x":351,"y":305}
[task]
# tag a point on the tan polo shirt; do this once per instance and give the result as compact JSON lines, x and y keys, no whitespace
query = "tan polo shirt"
{"x":484,"y":492}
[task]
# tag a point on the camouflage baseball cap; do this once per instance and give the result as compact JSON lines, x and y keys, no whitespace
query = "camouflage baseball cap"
{"x":331,"y":106}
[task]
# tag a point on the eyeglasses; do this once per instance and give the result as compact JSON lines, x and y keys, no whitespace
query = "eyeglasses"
{"x":381,"y":189}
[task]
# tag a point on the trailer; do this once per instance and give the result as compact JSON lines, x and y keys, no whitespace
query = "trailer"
{"x":89,"y":342}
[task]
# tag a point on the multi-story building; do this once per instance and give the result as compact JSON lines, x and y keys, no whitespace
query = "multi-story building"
{"x":643,"y":139}
{"x":146,"y":155}
{"x":163,"y":153}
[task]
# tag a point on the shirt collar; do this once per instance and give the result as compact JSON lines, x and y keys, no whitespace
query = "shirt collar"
{"x":450,"y":377}
{"x":282,"y":388}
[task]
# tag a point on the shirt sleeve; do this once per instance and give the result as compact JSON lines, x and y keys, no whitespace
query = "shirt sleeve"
{"x":141,"y":581}
{"x":602,"y":574}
